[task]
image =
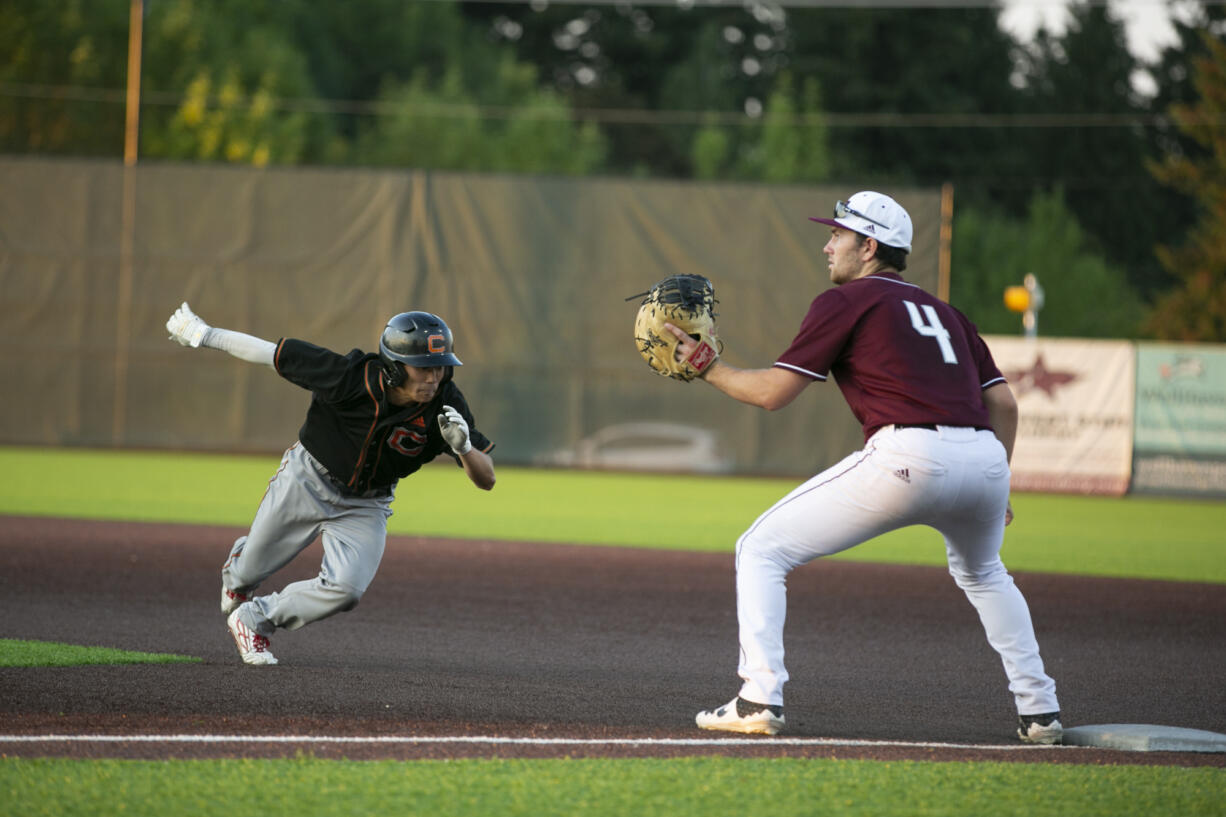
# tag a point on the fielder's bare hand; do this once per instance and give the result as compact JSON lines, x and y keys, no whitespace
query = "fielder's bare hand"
{"x":686,"y":344}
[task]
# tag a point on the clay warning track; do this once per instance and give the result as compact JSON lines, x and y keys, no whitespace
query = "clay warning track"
{"x":500,"y":649}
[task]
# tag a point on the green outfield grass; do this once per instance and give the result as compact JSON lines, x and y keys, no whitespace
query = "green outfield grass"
{"x":1104,"y":536}
{"x":691,"y":787}
{"x":15,"y":653}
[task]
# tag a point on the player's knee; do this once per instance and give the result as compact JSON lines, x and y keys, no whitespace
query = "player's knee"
{"x":348,"y":600}
{"x":342,"y":597}
{"x":747,"y":546}
{"x":985,"y":576}
{"x":753,"y":547}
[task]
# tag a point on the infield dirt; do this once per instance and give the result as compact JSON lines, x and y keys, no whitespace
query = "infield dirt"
{"x":485,"y":638}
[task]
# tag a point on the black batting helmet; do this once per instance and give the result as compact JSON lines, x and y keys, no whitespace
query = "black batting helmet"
{"x":415,"y":339}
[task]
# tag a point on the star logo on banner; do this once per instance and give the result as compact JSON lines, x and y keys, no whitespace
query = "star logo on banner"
{"x":1038,"y":376}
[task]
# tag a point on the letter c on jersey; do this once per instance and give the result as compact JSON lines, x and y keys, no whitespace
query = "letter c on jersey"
{"x":407,"y":442}
{"x":436,"y":344}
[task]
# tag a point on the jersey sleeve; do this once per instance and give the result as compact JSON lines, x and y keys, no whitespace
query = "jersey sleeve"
{"x":823,"y":334}
{"x":316,"y":368}
{"x":989,"y":373}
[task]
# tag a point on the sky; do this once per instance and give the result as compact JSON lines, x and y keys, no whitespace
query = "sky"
{"x":1147,"y":22}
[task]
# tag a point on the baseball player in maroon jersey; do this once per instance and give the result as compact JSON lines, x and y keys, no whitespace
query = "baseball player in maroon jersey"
{"x":373,"y":420}
{"x":939,"y":424}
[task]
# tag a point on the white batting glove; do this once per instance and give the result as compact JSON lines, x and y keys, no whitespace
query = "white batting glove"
{"x":455,"y":430}
{"x":186,"y":328}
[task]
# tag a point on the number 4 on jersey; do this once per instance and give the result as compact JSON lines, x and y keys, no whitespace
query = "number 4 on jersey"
{"x":930,"y":327}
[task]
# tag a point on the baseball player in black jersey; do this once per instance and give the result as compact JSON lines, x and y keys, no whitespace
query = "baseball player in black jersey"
{"x":373,"y":419}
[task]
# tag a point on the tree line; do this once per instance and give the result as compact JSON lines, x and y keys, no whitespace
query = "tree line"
{"x":1111,"y":191}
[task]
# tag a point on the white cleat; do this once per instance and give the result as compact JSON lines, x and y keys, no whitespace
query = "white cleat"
{"x":739,"y":715}
{"x":252,"y":646}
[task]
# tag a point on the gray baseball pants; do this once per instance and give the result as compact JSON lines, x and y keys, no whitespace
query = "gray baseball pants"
{"x":302,"y":503}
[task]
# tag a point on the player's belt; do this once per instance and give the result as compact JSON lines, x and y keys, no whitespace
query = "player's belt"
{"x":345,"y":490}
{"x":933,"y":426}
{"x":341,"y":487}
{"x":371,"y":493}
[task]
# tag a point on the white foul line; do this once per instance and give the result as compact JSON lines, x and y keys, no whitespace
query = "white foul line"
{"x":490,"y":739}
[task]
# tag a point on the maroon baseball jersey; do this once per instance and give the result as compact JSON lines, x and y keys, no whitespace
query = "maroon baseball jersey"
{"x":898,"y":354}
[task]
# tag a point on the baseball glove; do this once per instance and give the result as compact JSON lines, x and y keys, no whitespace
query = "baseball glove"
{"x":687,"y":302}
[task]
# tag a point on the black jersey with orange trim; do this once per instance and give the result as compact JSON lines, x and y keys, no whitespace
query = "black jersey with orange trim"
{"x":364,"y":441}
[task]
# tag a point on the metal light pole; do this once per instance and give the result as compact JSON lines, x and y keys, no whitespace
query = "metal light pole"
{"x":136,"y":23}
{"x":123,"y":294}
{"x":947,"y":233}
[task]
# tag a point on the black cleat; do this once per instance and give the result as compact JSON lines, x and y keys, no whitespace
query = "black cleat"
{"x":1045,"y":728}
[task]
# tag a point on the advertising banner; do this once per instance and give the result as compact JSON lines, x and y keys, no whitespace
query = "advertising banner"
{"x":1180,"y":419}
{"x":1075,"y":403}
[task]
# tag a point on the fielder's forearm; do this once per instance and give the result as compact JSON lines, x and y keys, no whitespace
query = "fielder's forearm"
{"x":243,"y":346}
{"x":770,"y":389}
{"x":1002,"y":413}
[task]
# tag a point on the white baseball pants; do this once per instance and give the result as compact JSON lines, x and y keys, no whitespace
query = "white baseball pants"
{"x":953,"y":479}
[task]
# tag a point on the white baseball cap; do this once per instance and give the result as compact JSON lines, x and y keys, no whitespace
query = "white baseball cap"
{"x":873,"y":214}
